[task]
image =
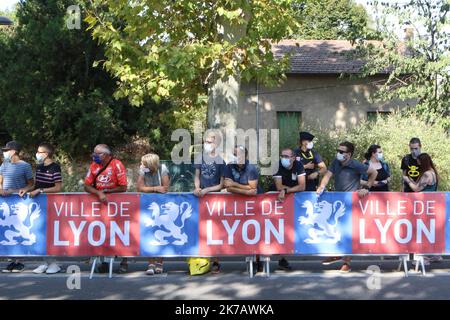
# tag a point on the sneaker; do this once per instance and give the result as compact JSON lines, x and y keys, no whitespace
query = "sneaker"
{"x":123,"y":268}
{"x":150,"y":270}
{"x":159,"y":268}
{"x":9,"y":267}
{"x":215,"y":267}
{"x":283,"y":264}
{"x":345,"y":268}
{"x":102,"y":268}
{"x":53,"y":268}
{"x":331,"y":260}
{"x":18,"y":267}
{"x":41,"y":269}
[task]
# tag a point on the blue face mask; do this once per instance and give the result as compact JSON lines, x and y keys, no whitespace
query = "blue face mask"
{"x":379,"y":156}
{"x":96,"y":159}
{"x":285,"y":163}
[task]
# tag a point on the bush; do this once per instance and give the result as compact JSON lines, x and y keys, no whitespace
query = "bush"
{"x":392,"y":133}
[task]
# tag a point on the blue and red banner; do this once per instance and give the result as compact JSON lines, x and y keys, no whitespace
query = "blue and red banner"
{"x":133,"y":224}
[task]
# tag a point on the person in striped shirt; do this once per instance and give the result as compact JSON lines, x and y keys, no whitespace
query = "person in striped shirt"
{"x":48,"y":180}
{"x":16,"y":176}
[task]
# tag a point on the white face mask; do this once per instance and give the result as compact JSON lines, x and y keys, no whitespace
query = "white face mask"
{"x":7,"y":156}
{"x":416,"y":153}
{"x":340,"y":157}
{"x":310,"y":145}
{"x":143,"y":170}
{"x":233,"y":159}
{"x":207,"y":147}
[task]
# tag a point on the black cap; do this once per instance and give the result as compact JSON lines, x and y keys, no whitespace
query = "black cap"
{"x":12,"y":145}
{"x":306,"y":136}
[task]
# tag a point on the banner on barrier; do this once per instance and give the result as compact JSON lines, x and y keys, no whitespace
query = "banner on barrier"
{"x":399,"y":223}
{"x":22,"y":226}
{"x":134,"y":224}
{"x":169,"y":224}
{"x":80,"y":225}
{"x":232,"y":224}
{"x":323,"y":225}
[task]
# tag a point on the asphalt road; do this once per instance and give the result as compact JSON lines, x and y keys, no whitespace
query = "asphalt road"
{"x":308,"y":280}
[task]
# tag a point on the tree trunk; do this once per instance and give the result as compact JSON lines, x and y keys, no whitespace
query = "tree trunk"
{"x":223,"y":95}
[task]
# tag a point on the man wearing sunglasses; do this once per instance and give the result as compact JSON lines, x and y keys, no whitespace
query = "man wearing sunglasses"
{"x":347,"y":174}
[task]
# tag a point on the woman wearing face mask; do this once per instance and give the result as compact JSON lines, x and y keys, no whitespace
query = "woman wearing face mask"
{"x":428,"y":178}
{"x":427,"y":181}
{"x":153,"y":178}
{"x":374,"y":159}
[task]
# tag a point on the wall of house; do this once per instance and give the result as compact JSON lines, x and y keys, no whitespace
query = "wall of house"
{"x":325,"y":100}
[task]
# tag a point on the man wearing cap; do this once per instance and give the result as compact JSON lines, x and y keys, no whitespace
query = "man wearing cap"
{"x":16,"y":176}
{"x":311,"y":160}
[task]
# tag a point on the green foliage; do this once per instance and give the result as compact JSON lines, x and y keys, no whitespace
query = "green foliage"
{"x":392,"y":133}
{"x":49,"y":89}
{"x":419,"y":66}
{"x":175,"y":49}
{"x":333,"y":19}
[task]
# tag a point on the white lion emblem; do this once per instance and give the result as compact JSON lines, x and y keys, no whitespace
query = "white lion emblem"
{"x":19,"y":220}
{"x":166,"y":220}
{"x":323,"y":211}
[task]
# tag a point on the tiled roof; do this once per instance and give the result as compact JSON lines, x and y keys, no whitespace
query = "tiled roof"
{"x":319,"y":56}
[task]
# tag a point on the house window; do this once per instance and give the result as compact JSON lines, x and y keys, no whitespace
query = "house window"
{"x":372,"y":115}
{"x":289,"y":125}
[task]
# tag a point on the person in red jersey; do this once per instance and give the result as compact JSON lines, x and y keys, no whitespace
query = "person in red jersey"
{"x":106,"y":175}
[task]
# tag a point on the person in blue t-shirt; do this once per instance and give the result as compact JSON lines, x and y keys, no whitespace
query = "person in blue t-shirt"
{"x":209,"y":174}
{"x":241,"y":177}
{"x":16,"y":176}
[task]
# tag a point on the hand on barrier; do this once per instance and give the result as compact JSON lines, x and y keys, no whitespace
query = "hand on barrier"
{"x":281,"y":196}
{"x":34,"y":193}
{"x":362,"y":193}
{"x":102,"y":197}
{"x":320,"y":191}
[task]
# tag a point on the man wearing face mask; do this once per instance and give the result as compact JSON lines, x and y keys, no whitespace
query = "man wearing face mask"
{"x":290,"y":178}
{"x":209,"y":167}
{"x":209,"y":174}
{"x":48,"y":180}
{"x":311,"y":160}
{"x":241,"y":177}
{"x":16,"y":176}
{"x":409,"y":164}
{"x":106,"y":175}
{"x":347,"y":174}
